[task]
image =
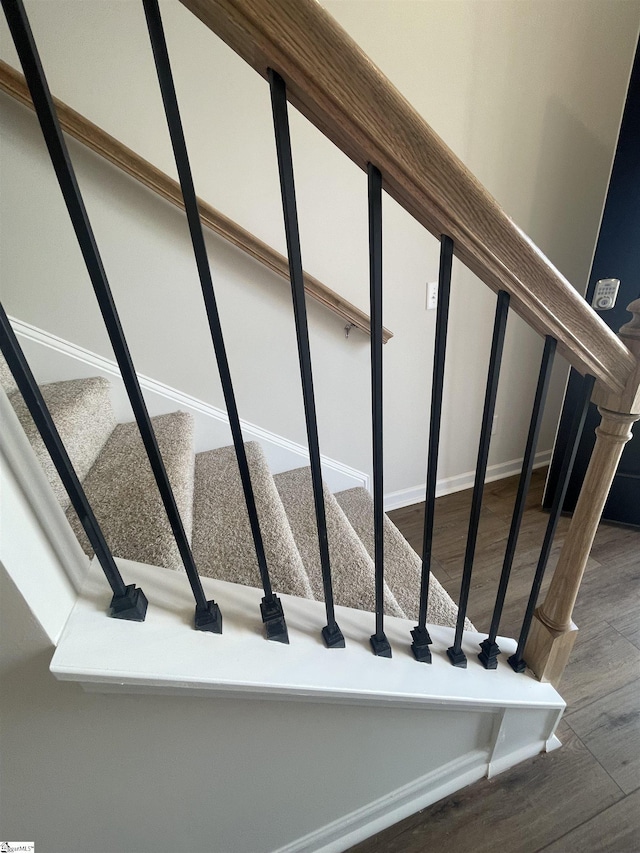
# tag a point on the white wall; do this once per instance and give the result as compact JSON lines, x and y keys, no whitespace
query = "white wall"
{"x":153,"y":774}
{"x":515,"y":88}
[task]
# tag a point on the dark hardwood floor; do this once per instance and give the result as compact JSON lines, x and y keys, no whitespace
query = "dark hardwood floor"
{"x":584,"y":797}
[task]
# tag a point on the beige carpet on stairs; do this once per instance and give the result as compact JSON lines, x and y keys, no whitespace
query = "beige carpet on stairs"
{"x":6,"y":377}
{"x":81,"y":410}
{"x":352,"y":569}
{"x":222,"y":542}
{"x":111,"y":460}
{"x":125,"y":498}
{"x":402,"y":566}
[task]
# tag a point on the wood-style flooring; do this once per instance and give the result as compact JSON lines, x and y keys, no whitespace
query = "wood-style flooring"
{"x":584,"y":797}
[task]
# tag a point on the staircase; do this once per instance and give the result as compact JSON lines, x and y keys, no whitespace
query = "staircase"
{"x":357,"y":740}
{"x":111,"y":462}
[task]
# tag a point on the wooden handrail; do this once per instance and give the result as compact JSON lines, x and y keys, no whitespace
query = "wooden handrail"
{"x":89,"y":134}
{"x":334,"y":84}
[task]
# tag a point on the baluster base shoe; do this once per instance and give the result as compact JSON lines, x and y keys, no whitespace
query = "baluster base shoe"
{"x":208,"y":618}
{"x":333,"y":637}
{"x":457,"y":657}
{"x":274,"y":621}
{"x":488,"y":657}
{"x":420,"y":645}
{"x":517,"y":664}
{"x":131,"y":605}
{"x":380,"y":645}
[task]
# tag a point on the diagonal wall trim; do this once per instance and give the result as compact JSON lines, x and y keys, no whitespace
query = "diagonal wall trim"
{"x":393,"y":807}
{"x":52,"y":353}
{"x":52,"y":358}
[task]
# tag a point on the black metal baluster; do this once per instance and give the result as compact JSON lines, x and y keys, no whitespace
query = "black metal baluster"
{"x":490,"y":649}
{"x":271,"y":606}
{"x":332,"y":634}
{"x":516,"y":661}
{"x":207,"y":614}
{"x":379,"y":642}
{"x":128,"y":602}
{"x":421,"y":638}
{"x":455,"y":653}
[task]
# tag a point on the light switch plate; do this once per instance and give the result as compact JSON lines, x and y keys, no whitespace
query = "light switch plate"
{"x":432,"y":295}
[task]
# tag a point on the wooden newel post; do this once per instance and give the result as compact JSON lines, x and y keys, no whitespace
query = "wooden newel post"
{"x":553,"y":632}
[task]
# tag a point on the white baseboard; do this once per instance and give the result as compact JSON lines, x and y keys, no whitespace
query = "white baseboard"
{"x":553,"y":743}
{"x":392,"y":807}
{"x":53,"y":359}
{"x":448,"y":485}
{"x":519,"y":734}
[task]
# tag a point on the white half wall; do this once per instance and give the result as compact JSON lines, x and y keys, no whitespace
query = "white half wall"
{"x":153,"y":774}
{"x":148,"y":770}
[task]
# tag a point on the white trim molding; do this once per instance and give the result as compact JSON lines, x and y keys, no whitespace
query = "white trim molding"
{"x":448,"y":485}
{"x":344,"y":833}
{"x":53,"y":359}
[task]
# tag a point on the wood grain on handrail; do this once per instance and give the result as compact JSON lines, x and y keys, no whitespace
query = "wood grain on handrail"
{"x":332,"y":82}
{"x":76,"y":125}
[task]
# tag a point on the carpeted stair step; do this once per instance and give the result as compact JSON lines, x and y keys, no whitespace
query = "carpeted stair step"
{"x":352,"y":569}
{"x":6,"y":377}
{"x":222,"y":542}
{"x":125,"y":498}
{"x":81,"y":410}
{"x":402,"y":566}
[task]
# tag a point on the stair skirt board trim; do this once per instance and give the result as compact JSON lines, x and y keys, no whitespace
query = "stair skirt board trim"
{"x":341,"y":834}
{"x":53,"y":359}
{"x":448,"y":485}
